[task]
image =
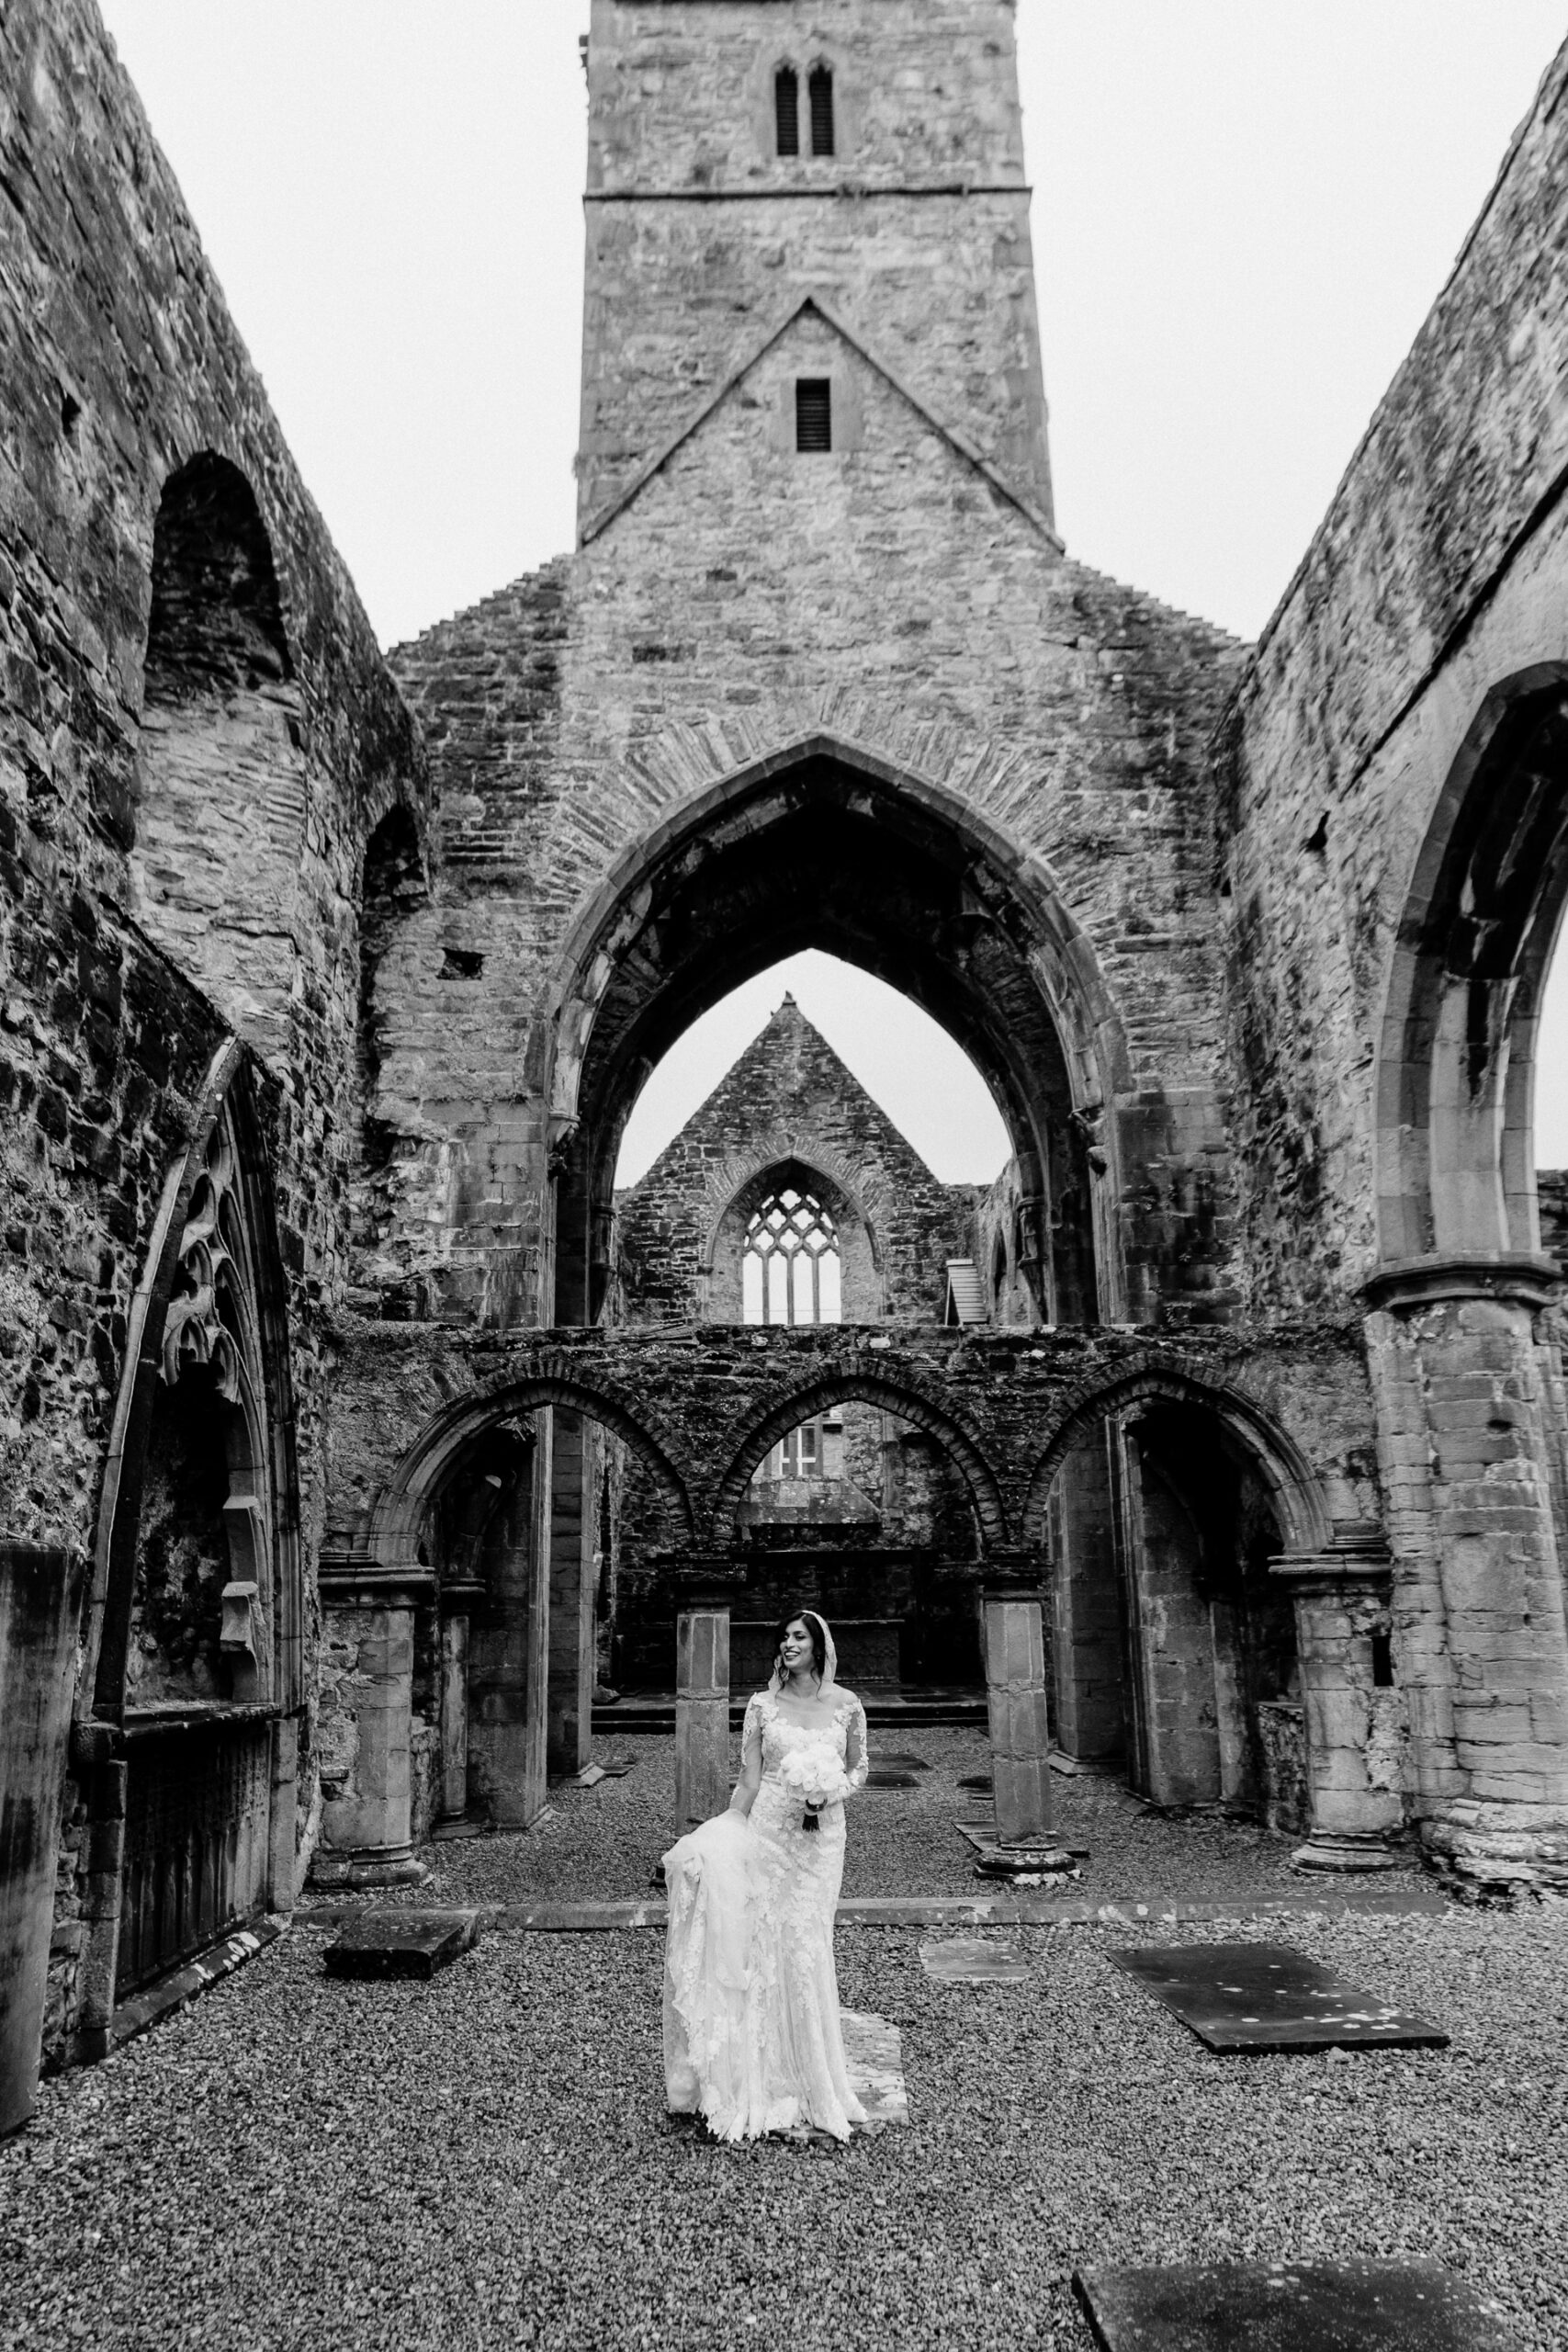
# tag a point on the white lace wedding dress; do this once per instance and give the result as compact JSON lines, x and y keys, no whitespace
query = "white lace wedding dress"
{"x":751,"y":2033}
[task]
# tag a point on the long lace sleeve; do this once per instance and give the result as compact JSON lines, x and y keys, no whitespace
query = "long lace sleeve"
{"x":857,"y":1755}
{"x":751,"y":1731}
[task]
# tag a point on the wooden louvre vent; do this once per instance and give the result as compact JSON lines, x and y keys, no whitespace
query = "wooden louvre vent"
{"x":813,"y":412}
{"x":787,"y":109}
{"x":819,"y":91}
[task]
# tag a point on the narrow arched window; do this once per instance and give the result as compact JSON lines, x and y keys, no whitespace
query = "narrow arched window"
{"x":791,"y":1268}
{"x":787,"y":109}
{"x":819,"y":90}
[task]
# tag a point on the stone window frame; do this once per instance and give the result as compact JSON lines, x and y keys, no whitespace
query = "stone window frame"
{"x":863,"y":1294}
{"x":792,"y":1241}
{"x":822,"y":57}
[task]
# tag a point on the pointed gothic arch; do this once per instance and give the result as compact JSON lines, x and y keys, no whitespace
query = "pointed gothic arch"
{"x":192,"y":1649}
{"x":827,"y":844}
{"x":1456,"y":1064}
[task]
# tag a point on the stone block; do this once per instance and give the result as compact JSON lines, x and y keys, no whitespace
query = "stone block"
{"x":1376,"y":2306}
{"x":399,"y":1943}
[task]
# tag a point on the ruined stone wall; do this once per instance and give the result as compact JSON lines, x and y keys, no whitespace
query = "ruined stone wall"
{"x":706,"y":1398}
{"x":121,"y":366}
{"x":906,"y":604}
{"x":701,"y":237}
{"x":1438,"y":573}
{"x":788,"y":1099}
{"x":136,"y":926}
{"x":999,"y":1241}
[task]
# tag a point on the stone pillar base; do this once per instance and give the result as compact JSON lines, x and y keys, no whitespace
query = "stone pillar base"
{"x":1491,"y":1852}
{"x":1027,"y":1865}
{"x":1345,"y":1850}
{"x":396,"y":1866}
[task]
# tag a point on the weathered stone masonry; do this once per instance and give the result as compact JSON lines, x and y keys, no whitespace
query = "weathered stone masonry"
{"x":317,"y":1396}
{"x":132,"y":951}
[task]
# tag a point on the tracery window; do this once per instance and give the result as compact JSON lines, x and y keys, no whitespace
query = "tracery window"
{"x":792,"y":1267}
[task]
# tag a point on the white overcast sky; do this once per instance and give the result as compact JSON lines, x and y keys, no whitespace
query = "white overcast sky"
{"x":1242,"y":210}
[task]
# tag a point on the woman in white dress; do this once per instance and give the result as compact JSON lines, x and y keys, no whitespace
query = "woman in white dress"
{"x":751,"y":2033}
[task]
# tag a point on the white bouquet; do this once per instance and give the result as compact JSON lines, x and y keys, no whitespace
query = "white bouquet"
{"x":814,"y":1774}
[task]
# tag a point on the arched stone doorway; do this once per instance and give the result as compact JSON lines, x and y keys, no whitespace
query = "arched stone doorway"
{"x":462,"y":1625}
{"x":1164,"y":1506}
{"x":190,"y":1742}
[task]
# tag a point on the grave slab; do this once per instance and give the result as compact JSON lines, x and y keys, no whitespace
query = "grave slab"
{"x":1289,"y":2307}
{"x":968,"y":1960}
{"x":1266,"y":1997}
{"x":886,"y":1776}
{"x":873,"y":2060}
{"x":403,"y":1943}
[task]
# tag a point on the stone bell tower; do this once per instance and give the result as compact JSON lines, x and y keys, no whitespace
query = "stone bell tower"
{"x":748,"y":156}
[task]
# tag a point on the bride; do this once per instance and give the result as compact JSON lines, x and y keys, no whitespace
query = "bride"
{"x":751,"y":2033}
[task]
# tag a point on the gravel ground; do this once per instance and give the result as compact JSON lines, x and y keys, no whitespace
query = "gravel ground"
{"x":601,"y":1844}
{"x":485,"y":2161}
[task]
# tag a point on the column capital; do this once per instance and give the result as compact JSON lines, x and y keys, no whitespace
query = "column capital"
{"x":1367,"y":1568}
{"x":347,"y":1581}
{"x":1011,"y":1575}
{"x":707,"y":1579}
{"x":1514,"y":1277}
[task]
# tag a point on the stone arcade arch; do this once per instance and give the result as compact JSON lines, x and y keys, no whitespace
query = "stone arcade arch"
{"x":471,"y":1652}
{"x":938,"y":1641}
{"x":1161,"y":1502}
{"x":193,"y":1635}
{"x":826,"y":843}
{"x":897,"y":1396}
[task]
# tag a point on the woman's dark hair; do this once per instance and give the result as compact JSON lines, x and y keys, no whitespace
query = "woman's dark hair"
{"x":813,"y":1624}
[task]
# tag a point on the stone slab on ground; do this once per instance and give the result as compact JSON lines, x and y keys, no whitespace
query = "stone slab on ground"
{"x":397,"y":1942}
{"x":965,"y":1959}
{"x":1025,"y":1909}
{"x":891,"y":1776}
{"x":873,"y":2058}
{"x":1266,"y":1997}
{"x":170,"y":1993}
{"x":902,"y":1760}
{"x":1289,"y":2307}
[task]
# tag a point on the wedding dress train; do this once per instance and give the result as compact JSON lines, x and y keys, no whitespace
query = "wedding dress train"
{"x":751,"y":2033}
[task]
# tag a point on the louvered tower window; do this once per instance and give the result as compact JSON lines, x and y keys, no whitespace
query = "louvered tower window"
{"x":791,"y":1270}
{"x":819,"y":90}
{"x":787,"y":109}
{"x":813,"y":412}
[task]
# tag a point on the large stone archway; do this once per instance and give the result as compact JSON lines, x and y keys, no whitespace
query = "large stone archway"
{"x":827,"y":843}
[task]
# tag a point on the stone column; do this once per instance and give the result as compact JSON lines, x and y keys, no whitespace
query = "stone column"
{"x":702,"y":1691}
{"x":572,"y":1665}
{"x":40,"y":1596}
{"x":367,"y":1824}
{"x":454,"y":1802}
{"x":1341,"y":1600}
{"x":1458,"y":1369}
{"x":1020,"y":1723}
{"x":1088,"y":1606}
{"x":283,"y":1823}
